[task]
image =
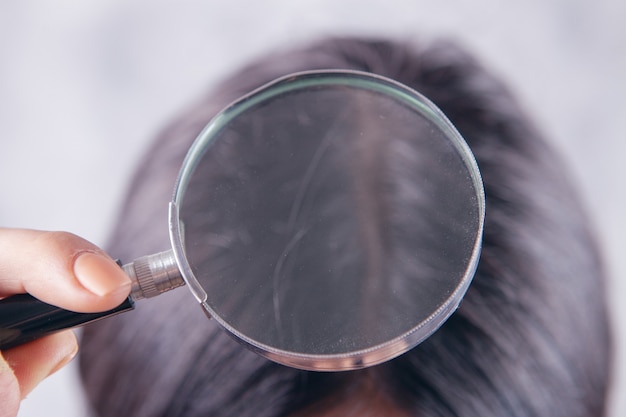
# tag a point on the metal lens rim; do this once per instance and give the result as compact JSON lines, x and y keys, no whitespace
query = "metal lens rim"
{"x":355,"y":79}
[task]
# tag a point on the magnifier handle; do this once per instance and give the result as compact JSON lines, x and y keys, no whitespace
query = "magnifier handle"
{"x":23,"y":318}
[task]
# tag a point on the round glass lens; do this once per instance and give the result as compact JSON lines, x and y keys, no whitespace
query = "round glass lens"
{"x":331,"y":220}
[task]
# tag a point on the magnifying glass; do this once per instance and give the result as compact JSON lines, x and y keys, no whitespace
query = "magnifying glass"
{"x":330,"y":220}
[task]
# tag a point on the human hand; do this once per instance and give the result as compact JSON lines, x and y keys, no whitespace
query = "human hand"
{"x":60,"y":269}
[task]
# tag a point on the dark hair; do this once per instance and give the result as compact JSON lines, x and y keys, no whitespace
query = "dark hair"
{"x":530,"y":339}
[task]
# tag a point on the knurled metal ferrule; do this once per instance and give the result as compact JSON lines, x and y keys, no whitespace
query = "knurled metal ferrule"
{"x":153,"y":275}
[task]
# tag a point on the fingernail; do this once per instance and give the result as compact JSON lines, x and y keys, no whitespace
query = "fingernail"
{"x":100,"y":275}
{"x":65,"y":359}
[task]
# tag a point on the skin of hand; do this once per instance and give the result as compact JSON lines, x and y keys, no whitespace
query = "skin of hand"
{"x":58,"y":268}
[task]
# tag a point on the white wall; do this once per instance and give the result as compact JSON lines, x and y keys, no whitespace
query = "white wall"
{"x":85,"y":85}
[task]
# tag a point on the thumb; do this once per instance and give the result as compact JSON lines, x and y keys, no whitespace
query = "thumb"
{"x":61,"y":269}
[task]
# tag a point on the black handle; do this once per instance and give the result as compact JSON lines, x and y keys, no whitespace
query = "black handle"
{"x":24,"y":318}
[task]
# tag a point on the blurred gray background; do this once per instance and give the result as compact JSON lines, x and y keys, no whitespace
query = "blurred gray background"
{"x":84,"y":86}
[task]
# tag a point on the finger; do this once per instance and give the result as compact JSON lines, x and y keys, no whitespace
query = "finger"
{"x":33,"y":362}
{"x":9,"y":390}
{"x":61,"y":269}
